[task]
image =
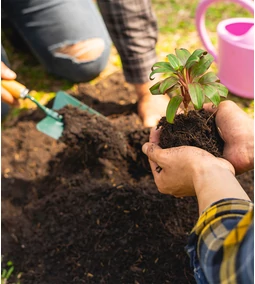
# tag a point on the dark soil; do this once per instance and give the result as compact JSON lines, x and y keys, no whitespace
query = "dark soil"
{"x":196,"y":129}
{"x":85,"y":209}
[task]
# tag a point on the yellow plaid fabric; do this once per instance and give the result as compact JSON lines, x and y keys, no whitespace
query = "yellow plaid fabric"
{"x":221,"y":243}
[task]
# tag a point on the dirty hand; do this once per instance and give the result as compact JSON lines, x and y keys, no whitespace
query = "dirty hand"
{"x":7,"y":74}
{"x":237,"y":130}
{"x":178,"y":171}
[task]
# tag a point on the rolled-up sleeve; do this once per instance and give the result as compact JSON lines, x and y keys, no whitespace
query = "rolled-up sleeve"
{"x":221,"y":245}
{"x":133,"y":28}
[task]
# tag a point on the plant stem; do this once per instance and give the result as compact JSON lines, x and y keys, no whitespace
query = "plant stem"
{"x":182,"y":80}
{"x":187,"y":76}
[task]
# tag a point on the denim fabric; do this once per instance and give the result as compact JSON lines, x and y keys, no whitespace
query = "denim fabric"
{"x":47,"y":25}
{"x":195,"y":265}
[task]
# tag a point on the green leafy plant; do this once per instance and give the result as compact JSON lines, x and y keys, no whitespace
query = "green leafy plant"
{"x":7,"y":272}
{"x":186,"y":72}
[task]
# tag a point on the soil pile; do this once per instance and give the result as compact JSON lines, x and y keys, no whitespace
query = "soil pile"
{"x":85,"y":209}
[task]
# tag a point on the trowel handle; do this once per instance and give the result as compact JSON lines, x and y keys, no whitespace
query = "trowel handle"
{"x":16,"y":89}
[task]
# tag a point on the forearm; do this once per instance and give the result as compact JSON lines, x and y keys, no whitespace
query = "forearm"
{"x":133,"y":28}
{"x":213,"y":182}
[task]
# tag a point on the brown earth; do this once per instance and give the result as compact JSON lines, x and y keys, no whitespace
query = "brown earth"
{"x":85,"y":209}
{"x":197,"y":128}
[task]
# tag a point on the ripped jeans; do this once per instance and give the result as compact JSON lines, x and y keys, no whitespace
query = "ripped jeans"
{"x":48,"y":26}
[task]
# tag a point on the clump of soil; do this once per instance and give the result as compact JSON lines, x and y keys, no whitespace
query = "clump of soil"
{"x":197,"y":129}
{"x":85,"y":209}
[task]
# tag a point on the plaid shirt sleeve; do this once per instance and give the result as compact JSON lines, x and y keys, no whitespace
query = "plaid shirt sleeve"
{"x":133,"y":28}
{"x":221,"y":245}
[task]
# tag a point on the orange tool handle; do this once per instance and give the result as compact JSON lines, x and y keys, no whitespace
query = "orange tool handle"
{"x":13,"y":87}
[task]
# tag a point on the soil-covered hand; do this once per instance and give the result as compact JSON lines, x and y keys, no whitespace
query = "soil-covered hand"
{"x":7,"y":74}
{"x":177,"y":170}
{"x":237,"y":130}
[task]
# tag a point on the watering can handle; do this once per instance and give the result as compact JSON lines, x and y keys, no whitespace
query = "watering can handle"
{"x":200,"y":21}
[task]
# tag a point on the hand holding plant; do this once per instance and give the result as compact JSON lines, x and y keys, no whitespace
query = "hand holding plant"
{"x":237,"y":130}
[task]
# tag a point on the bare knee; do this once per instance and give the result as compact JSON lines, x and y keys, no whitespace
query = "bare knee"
{"x":86,"y":50}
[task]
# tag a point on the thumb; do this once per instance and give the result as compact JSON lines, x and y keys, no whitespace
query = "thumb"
{"x":153,"y":151}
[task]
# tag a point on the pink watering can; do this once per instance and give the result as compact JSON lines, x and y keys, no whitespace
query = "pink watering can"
{"x":235,"y":56}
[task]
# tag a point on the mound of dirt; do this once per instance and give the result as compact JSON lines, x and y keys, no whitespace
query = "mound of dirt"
{"x":85,"y":209}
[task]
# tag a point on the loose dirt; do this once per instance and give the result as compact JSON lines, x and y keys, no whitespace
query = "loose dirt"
{"x":85,"y":209}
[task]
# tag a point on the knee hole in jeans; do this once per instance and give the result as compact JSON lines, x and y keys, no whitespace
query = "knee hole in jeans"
{"x":86,"y":50}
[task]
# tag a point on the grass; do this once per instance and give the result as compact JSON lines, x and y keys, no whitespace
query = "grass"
{"x":8,"y":272}
{"x":176,"y":22}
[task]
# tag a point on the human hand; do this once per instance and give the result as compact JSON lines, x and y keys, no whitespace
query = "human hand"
{"x":150,"y":107}
{"x":7,"y":74}
{"x":179,"y":171}
{"x":237,"y":130}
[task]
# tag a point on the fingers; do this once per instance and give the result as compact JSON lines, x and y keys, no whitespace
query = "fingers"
{"x":154,"y":168}
{"x":210,"y":107}
{"x":7,"y":97}
{"x":228,"y":109}
{"x":154,"y":135}
{"x":229,"y":117}
{"x":152,"y":151}
{"x":7,"y":73}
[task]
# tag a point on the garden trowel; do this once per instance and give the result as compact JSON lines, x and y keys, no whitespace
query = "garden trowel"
{"x":52,"y":124}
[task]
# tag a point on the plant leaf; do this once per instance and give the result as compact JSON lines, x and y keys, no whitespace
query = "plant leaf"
{"x":195,"y":57}
{"x":162,"y":67}
{"x":4,"y":272}
{"x":9,"y":273}
{"x":207,"y":78}
{"x":196,"y":95}
{"x":200,"y":67}
{"x":212,"y":94}
{"x":172,"y":108}
{"x":169,"y":91}
{"x":168,"y":83}
{"x":155,"y":89}
{"x":174,"y":61}
{"x":222,"y":90}
{"x":183,"y":54}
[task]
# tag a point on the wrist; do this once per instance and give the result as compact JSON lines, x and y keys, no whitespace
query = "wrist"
{"x":213,"y":180}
